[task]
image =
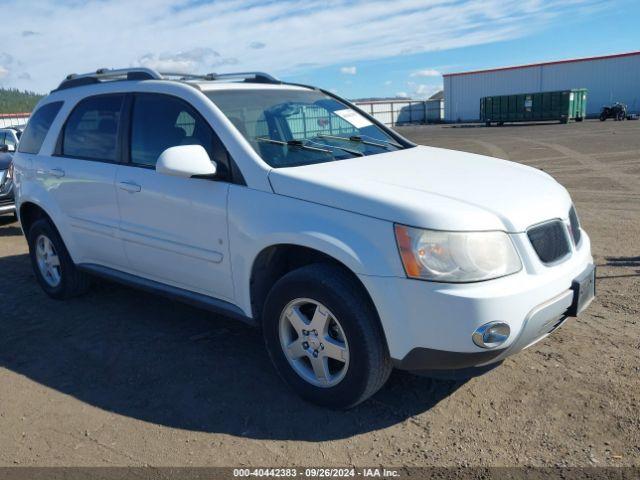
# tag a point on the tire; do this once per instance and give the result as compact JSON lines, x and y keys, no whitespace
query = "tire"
{"x":70,"y":281}
{"x":621,"y":116}
{"x":603,"y":117}
{"x":367,"y":366}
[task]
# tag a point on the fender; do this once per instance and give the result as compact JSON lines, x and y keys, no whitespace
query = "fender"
{"x":32,"y":192}
{"x":363,"y":244}
{"x":56,"y":217}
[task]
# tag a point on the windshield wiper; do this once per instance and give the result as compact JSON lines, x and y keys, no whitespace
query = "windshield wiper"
{"x":348,"y":150}
{"x":301,"y":144}
{"x":359,"y":139}
{"x":293,"y":143}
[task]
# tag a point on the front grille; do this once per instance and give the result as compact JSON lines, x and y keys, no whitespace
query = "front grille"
{"x":575,"y":225}
{"x":550,"y":241}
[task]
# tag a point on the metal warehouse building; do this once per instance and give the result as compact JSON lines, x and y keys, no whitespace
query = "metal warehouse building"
{"x":612,"y":78}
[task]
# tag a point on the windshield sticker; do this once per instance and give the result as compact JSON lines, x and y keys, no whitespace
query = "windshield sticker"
{"x":353,"y":117}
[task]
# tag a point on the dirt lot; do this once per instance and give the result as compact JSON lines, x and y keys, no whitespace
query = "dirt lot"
{"x":120,"y":377}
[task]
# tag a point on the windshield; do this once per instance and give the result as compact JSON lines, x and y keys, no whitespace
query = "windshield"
{"x":300,"y":127}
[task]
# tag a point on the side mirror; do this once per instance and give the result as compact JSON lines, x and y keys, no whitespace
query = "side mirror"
{"x":186,"y":161}
{"x":11,"y":148}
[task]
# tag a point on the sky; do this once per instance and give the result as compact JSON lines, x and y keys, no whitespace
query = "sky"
{"x":356,"y":48}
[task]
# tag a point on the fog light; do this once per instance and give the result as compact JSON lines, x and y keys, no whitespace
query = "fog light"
{"x":491,"y":335}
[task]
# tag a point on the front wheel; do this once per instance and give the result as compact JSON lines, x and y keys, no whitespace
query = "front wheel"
{"x":324,"y":337}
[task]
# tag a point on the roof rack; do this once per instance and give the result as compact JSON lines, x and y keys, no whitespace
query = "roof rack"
{"x":249,"y":77}
{"x":105,"y":74}
{"x":142,"y":73}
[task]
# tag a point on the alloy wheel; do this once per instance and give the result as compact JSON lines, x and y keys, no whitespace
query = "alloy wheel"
{"x":314,"y":342}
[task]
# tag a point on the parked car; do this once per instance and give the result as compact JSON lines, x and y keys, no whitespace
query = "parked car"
{"x":289,"y":208}
{"x":617,"y":111}
{"x":9,"y":138}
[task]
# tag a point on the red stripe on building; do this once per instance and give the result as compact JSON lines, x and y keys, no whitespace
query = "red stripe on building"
{"x":13,"y":115}
{"x":557,"y":62}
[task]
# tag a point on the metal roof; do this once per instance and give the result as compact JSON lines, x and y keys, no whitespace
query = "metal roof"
{"x":556,"y":62}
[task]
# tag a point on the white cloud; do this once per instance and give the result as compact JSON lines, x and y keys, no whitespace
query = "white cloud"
{"x":427,"y":72}
{"x":187,"y":61}
{"x":80,"y":35}
{"x":348,"y":70}
{"x":388,"y":82}
{"x":3,"y":72}
{"x":425,"y":91}
{"x":402,"y":94}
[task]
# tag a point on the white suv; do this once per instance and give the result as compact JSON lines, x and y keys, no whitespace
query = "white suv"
{"x":289,"y":208}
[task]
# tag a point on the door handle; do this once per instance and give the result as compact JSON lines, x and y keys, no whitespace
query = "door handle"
{"x":130,"y":187}
{"x":56,"y":172}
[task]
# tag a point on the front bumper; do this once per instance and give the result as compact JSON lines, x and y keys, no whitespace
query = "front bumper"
{"x":429,"y":326}
{"x":7,"y":204}
{"x":7,"y":200}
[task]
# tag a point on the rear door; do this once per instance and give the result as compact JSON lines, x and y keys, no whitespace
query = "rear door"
{"x":174,"y":229}
{"x":81,"y":175}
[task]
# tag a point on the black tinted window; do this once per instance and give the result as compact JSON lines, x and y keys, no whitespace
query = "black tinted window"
{"x":162,"y":121}
{"x":92,"y":129}
{"x":37,"y":128}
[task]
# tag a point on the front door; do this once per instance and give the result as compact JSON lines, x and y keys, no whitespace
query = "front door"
{"x":174,"y":229}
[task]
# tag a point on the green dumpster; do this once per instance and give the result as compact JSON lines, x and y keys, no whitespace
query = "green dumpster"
{"x":562,"y":106}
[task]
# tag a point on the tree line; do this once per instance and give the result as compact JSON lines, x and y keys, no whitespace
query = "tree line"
{"x":13,"y":100}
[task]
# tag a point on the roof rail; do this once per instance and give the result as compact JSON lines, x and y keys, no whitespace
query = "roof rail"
{"x":102,"y":74}
{"x":142,"y":73}
{"x":257,"y":77}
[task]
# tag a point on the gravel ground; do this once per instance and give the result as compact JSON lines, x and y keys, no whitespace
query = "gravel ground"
{"x":120,"y":377}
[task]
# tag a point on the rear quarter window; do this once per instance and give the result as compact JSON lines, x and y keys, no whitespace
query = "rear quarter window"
{"x":38,"y":127}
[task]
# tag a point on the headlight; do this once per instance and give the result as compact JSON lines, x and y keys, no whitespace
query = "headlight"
{"x":456,"y":256}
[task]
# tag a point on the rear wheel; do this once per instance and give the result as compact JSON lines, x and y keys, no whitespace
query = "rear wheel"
{"x":324,"y":337}
{"x":55,"y":271}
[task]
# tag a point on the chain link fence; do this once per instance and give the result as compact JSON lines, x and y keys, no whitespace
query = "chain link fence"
{"x":404,"y":112}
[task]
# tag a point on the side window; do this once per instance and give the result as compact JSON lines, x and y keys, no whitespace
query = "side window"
{"x":161,"y":121}
{"x":91,"y":130}
{"x":37,"y":127}
{"x":9,"y":140}
{"x":2,"y":137}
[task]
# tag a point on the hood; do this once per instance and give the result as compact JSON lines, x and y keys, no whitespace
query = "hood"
{"x":431,"y":188}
